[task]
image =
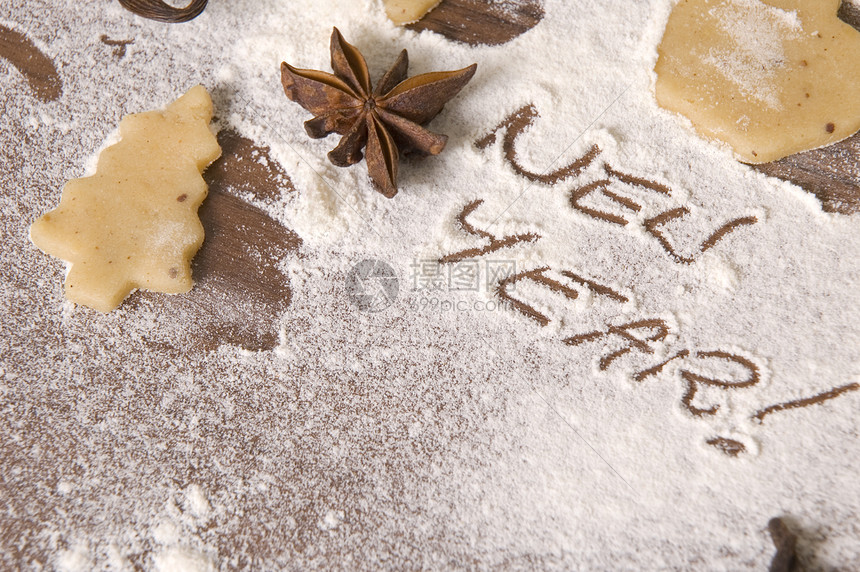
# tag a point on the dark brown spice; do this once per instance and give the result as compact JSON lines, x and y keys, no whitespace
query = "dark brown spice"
{"x":385,"y":120}
{"x":163,"y":12}
{"x":785,"y":559}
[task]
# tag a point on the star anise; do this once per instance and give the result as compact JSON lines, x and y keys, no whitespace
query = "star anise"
{"x":387,"y":120}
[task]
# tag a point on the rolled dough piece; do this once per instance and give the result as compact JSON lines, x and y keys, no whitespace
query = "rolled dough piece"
{"x":133,"y":224}
{"x":768,"y":77}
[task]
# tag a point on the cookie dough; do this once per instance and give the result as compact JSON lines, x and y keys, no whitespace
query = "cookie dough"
{"x":133,"y":224}
{"x":403,"y":12}
{"x":768,"y":77}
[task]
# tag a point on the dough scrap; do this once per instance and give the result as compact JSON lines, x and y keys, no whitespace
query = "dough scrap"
{"x":133,"y":224}
{"x":769,"y":77}
{"x":403,"y":12}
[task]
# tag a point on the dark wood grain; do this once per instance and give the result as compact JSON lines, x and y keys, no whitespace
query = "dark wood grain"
{"x":127,"y":443}
{"x":39,"y":69}
{"x":477,"y":22}
{"x":240,"y":293}
{"x":237,"y":295}
{"x":119,"y":46}
{"x":831,"y":173}
{"x":849,"y":13}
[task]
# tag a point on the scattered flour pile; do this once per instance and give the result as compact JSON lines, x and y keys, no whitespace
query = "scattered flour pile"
{"x":621,"y":387}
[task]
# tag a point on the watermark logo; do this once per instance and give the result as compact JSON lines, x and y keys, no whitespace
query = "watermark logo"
{"x":468,"y":275}
{"x":440,"y":287}
{"x":372,"y":285}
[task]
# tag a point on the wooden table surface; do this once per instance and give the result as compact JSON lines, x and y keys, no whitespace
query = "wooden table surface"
{"x":244,"y":235}
{"x":242,"y":232}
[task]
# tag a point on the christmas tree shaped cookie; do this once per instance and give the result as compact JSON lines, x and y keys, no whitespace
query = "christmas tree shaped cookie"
{"x":133,"y":224}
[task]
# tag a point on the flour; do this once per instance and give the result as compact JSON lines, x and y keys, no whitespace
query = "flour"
{"x":74,"y":560}
{"x":452,"y":429}
{"x":182,"y":560}
{"x":758,"y":32}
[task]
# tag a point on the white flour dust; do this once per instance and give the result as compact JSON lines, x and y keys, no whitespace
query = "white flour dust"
{"x":605,"y":390}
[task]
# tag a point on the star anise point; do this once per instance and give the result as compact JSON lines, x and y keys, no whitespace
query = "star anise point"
{"x":384,"y":120}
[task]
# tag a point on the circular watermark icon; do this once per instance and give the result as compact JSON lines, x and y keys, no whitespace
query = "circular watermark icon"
{"x":372,"y":285}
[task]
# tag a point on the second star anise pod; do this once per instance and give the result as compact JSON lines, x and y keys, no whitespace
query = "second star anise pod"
{"x":387,"y":119}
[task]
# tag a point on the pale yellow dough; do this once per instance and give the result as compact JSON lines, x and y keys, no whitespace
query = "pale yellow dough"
{"x":134,"y":223}
{"x":770,"y":78}
{"x":408,"y":11}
